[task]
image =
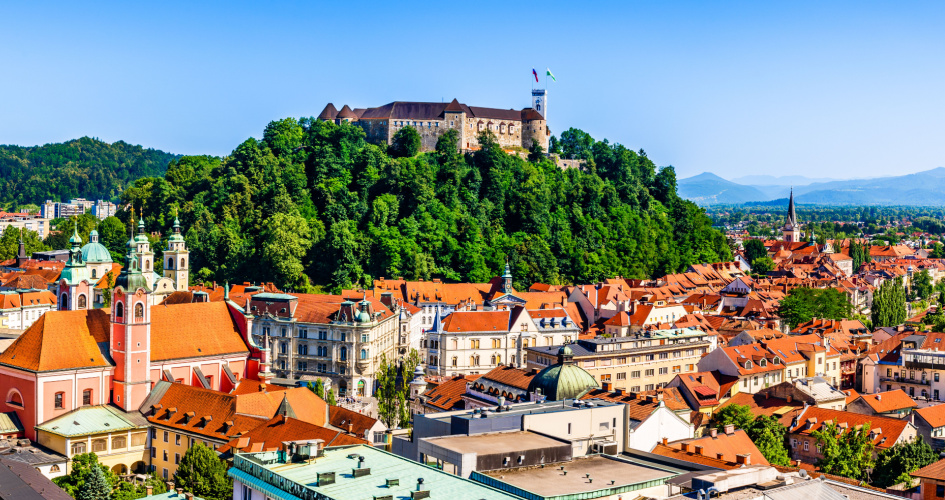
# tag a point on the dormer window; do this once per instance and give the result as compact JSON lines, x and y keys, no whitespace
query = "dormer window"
{"x":763,"y":363}
{"x":748,"y":365}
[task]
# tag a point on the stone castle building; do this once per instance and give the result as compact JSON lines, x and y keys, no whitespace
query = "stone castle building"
{"x":512,"y":127}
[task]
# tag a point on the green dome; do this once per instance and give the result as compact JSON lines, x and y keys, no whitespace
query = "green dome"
{"x":95,"y":252}
{"x":563,"y":380}
{"x":364,"y":317}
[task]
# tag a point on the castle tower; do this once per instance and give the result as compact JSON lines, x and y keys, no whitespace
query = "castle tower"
{"x":74,"y":290}
{"x":177,"y":259}
{"x":540,"y":102}
{"x":130,"y":335}
{"x":144,"y":255}
{"x":791,"y":230}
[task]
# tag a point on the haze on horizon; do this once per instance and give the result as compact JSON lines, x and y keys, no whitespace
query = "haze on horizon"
{"x":846,"y":90}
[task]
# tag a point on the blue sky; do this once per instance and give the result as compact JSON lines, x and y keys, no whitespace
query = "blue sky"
{"x":840,"y":90}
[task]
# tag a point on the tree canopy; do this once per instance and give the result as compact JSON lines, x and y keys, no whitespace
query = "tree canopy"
{"x":848,"y":453}
{"x":889,"y":304}
{"x":202,"y":473}
{"x":894,"y":464}
{"x":803,"y":304}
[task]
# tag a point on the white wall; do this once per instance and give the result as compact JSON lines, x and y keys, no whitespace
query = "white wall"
{"x":662,"y":423}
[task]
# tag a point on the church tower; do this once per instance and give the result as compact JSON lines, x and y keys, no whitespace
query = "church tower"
{"x":791,"y":230}
{"x":143,"y":254}
{"x":507,"y":279}
{"x":177,"y":259}
{"x":130,"y":335}
{"x":74,"y":290}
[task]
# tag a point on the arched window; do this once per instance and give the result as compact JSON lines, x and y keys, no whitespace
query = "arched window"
{"x":94,"y":273}
{"x":147,"y":265}
{"x":363,"y":353}
{"x":64,"y":302}
{"x":454,"y":361}
{"x":748,"y":365}
{"x":170,"y":263}
{"x":99,"y":445}
{"x":343,"y":353}
{"x":15,"y":398}
{"x":139,"y":311}
{"x":54,"y":468}
{"x":81,"y":303}
{"x":118,"y":442}
{"x":120,"y":310}
{"x":492,"y":359}
{"x":182,"y":263}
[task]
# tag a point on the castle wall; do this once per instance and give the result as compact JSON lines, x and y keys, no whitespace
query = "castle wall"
{"x":377,"y":131}
{"x":507,"y":132}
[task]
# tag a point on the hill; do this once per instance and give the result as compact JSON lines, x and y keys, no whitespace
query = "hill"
{"x":313,"y":203}
{"x":783,"y":180}
{"x":710,"y":189}
{"x":85,"y":167}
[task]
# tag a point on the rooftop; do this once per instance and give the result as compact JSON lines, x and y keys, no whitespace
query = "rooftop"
{"x":500,"y":442}
{"x":601,"y":475}
{"x":89,"y":420}
{"x":252,"y":468}
{"x":523,"y":409}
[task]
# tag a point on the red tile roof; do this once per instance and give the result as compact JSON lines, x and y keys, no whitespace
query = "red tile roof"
{"x":729,"y":445}
{"x":194,"y":330}
{"x":350,"y":421}
{"x":692,"y":457}
{"x":933,"y":471}
{"x":306,"y":404}
{"x":477,"y":321}
{"x":193,"y":404}
{"x":934,"y":415}
{"x":813,"y":419}
{"x":510,"y":376}
{"x":60,"y":340}
{"x":884,"y":402}
{"x":269,"y":436}
{"x":448,"y":395}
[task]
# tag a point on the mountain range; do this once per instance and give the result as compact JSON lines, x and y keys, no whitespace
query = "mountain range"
{"x":925,"y":188}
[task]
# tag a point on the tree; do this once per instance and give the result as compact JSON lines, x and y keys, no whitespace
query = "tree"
{"x":200,"y":472}
{"x":803,"y":304}
{"x":332,"y":400}
{"x":922,"y":284}
{"x":82,"y":466}
{"x":894,"y":464}
{"x":889,"y":304}
{"x":848,"y":453}
{"x":406,"y":143}
{"x":10,"y":242}
{"x":96,"y":486}
{"x":769,"y":436}
{"x":286,"y":238}
{"x":762,"y":265}
{"x":393,"y":385}
{"x":107,"y":291}
{"x":754,"y":249}
{"x":738,"y":415}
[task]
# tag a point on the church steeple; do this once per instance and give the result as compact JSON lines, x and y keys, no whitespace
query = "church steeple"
{"x":507,"y":278}
{"x":177,"y":258}
{"x":791,"y":230}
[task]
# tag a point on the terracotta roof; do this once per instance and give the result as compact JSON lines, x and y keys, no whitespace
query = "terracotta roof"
{"x":760,"y":404}
{"x":306,"y":404}
{"x":477,"y":321}
{"x":892,"y":428}
{"x":192,"y":405}
{"x":729,"y":445}
{"x":26,"y":281}
{"x":852,"y":395}
{"x":454,"y":106}
{"x":933,"y":471}
{"x":691,"y":457}
{"x":194,"y":330}
{"x":510,"y":376}
{"x":448,"y":395}
{"x":350,"y":421}
{"x":61,"y":340}
{"x":248,"y":386}
{"x":934,"y":415}
{"x":347,"y":113}
{"x":884,"y":402}
{"x":270,"y":436}
{"x":619,"y":319}
{"x":16,"y":300}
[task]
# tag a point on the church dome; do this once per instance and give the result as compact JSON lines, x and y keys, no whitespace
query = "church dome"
{"x":94,"y":252}
{"x":564,"y":379}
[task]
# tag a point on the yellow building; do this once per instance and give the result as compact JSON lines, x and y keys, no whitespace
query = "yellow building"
{"x":119,"y":439}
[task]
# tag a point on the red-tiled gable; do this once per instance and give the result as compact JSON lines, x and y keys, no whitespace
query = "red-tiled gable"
{"x":933,"y":415}
{"x":25,"y":282}
{"x":884,"y":402}
{"x":510,"y":376}
{"x":752,"y":359}
{"x":477,"y":321}
{"x":270,"y":436}
{"x":729,"y":445}
{"x":707,"y":387}
{"x":194,"y":330}
{"x":306,"y":404}
{"x":619,"y":319}
{"x":692,"y":457}
{"x":814,"y":418}
{"x":350,"y":421}
{"x":27,"y":299}
{"x":889,"y":349}
{"x":547,"y":313}
{"x":448,"y":395}
{"x":50,"y":274}
{"x":760,"y":404}
{"x":60,"y":340}
{"x":104,"y":282}
{"x":934,"y":471}
{"x":193,"y":405}
{"x":249,"y":386}
{"x":643,"y":403}
{"x":852,"y":396}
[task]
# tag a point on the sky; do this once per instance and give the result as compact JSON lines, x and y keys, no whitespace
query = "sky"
{"x":820,"y":89}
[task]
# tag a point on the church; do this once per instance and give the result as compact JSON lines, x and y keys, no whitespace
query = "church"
{"x":80,"y":356}
{"x":512,"y":127}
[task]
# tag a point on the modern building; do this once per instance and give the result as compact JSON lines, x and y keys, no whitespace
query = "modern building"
{"x":911,"y":361}
{"x":641,"y":362}
{"x":307,"y":470}
{"x":25,"y":221}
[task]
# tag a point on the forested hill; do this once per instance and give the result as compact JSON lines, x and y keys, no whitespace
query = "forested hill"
{"x":83,"y":167}
{"x":313,"y":203}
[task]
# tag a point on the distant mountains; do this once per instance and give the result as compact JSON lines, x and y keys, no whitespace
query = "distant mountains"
{"x":921,"y":188}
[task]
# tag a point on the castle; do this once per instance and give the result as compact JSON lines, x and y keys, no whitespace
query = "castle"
{"x":512,"y":128}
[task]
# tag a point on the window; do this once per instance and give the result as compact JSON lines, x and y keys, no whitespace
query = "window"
{"x":806,"y":445}
{"x":649,"y":373}
{"x":936,"y":376}
{"x":303,"y":349}
{"x":569,"y":429}
{"x":15,"y":398}
{"x":87,"y":397}
{"x":664,"y":370}
{"x":99,"y":445}
{"x":622,"y":376}
{"x":139,"y":311}
{"x":81,"y":303}
{"x":940,"y":490}
{"x":664,"y":355}
{"x":165,"y":473}
{"x":303,"y":334}
{"x":363,"y":353}
{"x":176,"y":458}
{"x":78,"y":448}
{"x":153,"y":452}
{"x":165,"y":455}
{"x":120,"y":311}
{"x":57,"y":399}
{"x":474,"y":344}
{"x":177,"y":439}
{"x":453,"y":361}
{"x":165,"y":436}
{"x":496,"y":343}
{"x":54,"y":468}
{"x":342,"y":353}
{"x":365,"y":338}
{"x":635,"y":374}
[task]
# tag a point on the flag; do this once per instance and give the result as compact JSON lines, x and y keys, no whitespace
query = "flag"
{"x":552,"y":76}
{"x":536,"y":75}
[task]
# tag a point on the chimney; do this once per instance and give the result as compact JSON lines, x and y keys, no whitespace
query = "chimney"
{"x":665,"y":441}
{"x":720,"y":456}
{"x":619,"y":392}
{"x":149,"y":490}
{"x":685,"y":446}
{"x":189,"y":496}
{"x":713,"y":432}
{"x":789,"y":398}
{"x":606,"y":386}
{"x":743,"y":458}
{"x":698,"y":449}
{"x":180,"y":491}
{"x":730,"y":429}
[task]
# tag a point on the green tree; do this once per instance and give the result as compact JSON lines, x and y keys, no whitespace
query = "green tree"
{"x":738,"y":415}
{"x":922,"y":284}
{"x":889,"y":304}
{"x":803,"y":304}
{"x":200,"y":472}
{"x":769,"y":436}
{"x":10,"y":242}
{"x":332,"y":400}
{"x":406,"y":143}
{"x":107,"y":291}
{"x":96,"y":486}
{"x":286,"y":240}
{"x":762,"y":265}
{"x":894,"y":464}
{"x":754,"y":248}
{"x":848,"y":453}
{"x":81,"y":469}
{"x":392,"y":389}
{"x":113,"y":234}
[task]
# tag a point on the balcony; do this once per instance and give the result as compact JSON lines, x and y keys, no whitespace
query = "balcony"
{"x":899,"y":380}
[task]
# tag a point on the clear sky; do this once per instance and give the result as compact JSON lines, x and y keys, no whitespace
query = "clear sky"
{"x":840,"y":90}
